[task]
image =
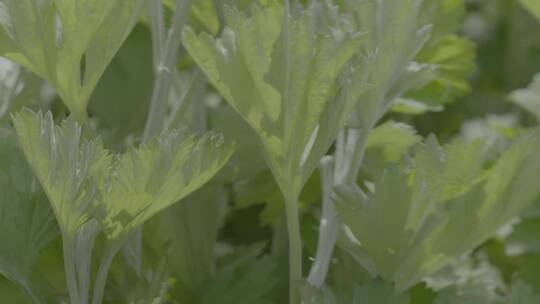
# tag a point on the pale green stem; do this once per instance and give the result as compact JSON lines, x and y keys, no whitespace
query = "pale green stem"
{"x":350,"y":148}
{"x":295,"y":247}
{"x":103,"y":271}
{"x":70,"y":270}
{"x":30,"y":293}
{"x":328,"y":229}
{"x":6,"y":102}
{"x":158,"y":30}
{"x":83,"y":246}
{"x":164,"y":70}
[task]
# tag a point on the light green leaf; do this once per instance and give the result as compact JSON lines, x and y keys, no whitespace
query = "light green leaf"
{"x":443,"y":203}
{"x":532,"y":6}
{"x":147,"y":180}
{"x":65,"y":164}
{"x":395,"y":35}
{"x":529,"y":98}
{"x":69,"y":43}
{"x":203,"y":15}
{"x":392,"y":139}
{"x":413,"y":107}
{"x":454,"y":58}
{"x":416,"y":55}
{"x":445,"y":15}
{"x":292,"y":107}
{"x":27,"y":223}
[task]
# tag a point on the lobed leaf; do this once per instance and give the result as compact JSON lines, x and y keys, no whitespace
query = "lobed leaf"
{"x":83,"y":181}
{"x":443,"y":204}
{"x":146,"y":180}
{"x":293,"y":108}
{"x":65,"y":164}
{"x":27,"y":222}
{"x":395,"y":34}
{"x":69,"y":43}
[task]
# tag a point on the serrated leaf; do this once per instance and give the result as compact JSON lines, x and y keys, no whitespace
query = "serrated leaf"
{"x":395,"y":35}
{"x":454,"y":58}
{"x":27,"y":222}
{"x":69,"y":43}
{"x":293,"y":108}
{"x":146,"y":180}
{"x":440,"y":206}
{"x":393,"y":139}
{"x":64,"y":163}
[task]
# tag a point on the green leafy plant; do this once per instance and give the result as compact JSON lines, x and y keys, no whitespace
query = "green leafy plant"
{"x":269,"y":151}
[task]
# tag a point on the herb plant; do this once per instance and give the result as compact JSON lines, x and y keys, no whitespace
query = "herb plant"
{"x":267,"y":151}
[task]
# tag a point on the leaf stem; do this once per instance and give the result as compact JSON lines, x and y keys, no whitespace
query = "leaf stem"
{"x":29,"y":292}
{"x":111,"y":250}
{"x":165,"y":66}
{"x":70,"y":270}
{"x":350,"y":149}
{"x":328,"y":226}
{"x":295,"y":247}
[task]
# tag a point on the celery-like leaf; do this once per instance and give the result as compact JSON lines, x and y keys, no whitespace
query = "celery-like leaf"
{"x":84,"y":184}
{"x":27,"y":223}
{"x":65,"y":164}
{"x":424,"y":215}
{"x":395,"y":36}
{"x":147,"y":180}
{"x":454,"y":58}
{"x":69,"y":43}
{"x":282,"y":80}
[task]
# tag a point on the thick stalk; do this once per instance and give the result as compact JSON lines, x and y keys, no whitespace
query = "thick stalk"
{"x":83,"y":246}
{"x":101,"y":279}
{"x":328,"y":226}
{"x":295,"y":247}
{"x":164,"y":69}
{"x":157,"y":26}
{"x":350,"y":148}
{"x":70,"y":270}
